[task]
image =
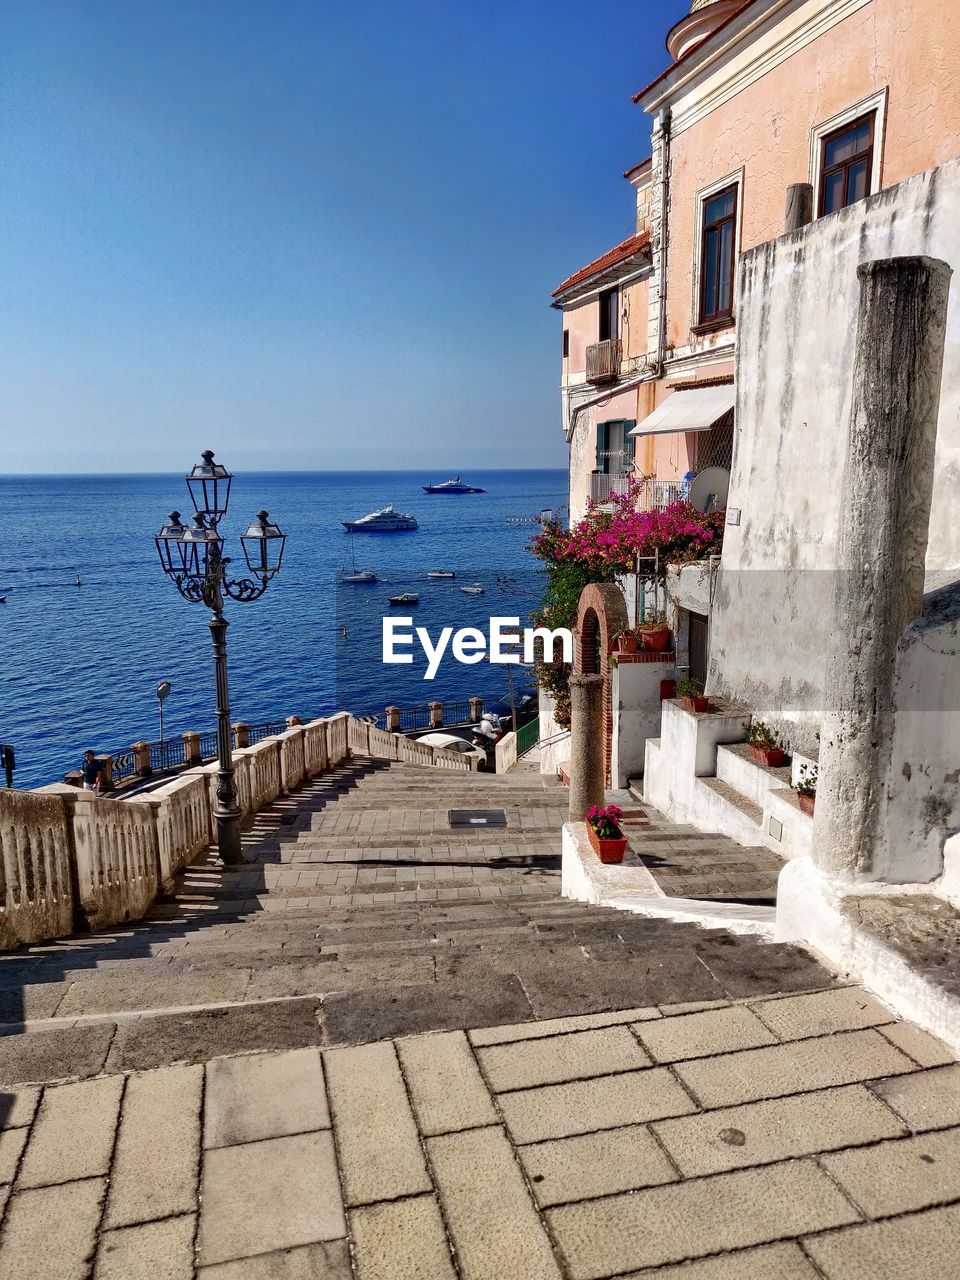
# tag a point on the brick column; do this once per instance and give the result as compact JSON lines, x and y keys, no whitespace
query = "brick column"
{"x":241,"y":735}
{"x":141,"y":759}
{"x":887,"y":490}
{"x":191,"y":747}
{"x":586,"y":744}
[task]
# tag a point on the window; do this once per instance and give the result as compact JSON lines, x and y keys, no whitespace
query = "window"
{"x":846,"y":165}
{"x":615,"y":447}
{"x":718,"y":256}
{"x":609,"y":308}
{"x":566,"y":343}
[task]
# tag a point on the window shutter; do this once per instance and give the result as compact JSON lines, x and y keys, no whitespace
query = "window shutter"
{"x":602,"y":436}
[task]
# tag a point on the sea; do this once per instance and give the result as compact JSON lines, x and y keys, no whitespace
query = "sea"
{"x":80,"y":665}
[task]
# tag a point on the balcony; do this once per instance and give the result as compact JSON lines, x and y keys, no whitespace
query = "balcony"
{"x":657,"y":495}
{"x":603,"y":486}
{"x":652,"y":495}
{"x":603,"y":361}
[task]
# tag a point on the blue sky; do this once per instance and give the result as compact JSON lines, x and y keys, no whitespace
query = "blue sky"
{"x":305,"y":234}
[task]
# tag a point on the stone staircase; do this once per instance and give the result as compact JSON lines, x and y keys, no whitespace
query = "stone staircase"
{"x":365,"y":913}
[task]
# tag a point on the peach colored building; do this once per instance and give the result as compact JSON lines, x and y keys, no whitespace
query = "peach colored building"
{"x":831,"y":100}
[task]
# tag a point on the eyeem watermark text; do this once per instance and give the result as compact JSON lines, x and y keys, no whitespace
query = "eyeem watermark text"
{"x":503,"y":643}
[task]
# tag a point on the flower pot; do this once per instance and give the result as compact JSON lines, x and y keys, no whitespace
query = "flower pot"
{"x":807,"y":803}
{"x":655,"y":638}
{"x":772,"y":757}
{"x":627,"y":643}
{"x":668,"y":689}
{"x":607,"y":850}
{"x":697,"y":704}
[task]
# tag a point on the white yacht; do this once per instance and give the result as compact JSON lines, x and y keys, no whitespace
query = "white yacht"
{"x":440,"y":573}
{"x":474,"y":589}
{"x":387,"y":520}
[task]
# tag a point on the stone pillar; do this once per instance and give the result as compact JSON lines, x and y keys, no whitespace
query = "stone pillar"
{"x":799,"y":207}
{"x":106,"y":772}
{"x":885,"y":503}
{"x":393,"y":719}
{"x":191,"y":747}
{"x":141,"y":759}
{"x":586,"y":744}
{"x":436,"y":715}
{"x":241,"y":735}
{"x":293,"y":721}
{"x":476,"y":709}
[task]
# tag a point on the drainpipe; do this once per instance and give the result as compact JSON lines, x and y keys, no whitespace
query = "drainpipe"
{"x":665,"y":121}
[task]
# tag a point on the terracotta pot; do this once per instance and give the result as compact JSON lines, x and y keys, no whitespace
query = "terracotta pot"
{"x":807,"y":803}
{"x":699,"y":705}
{"x":655,"y":638}
{"x":772,"y":757}
{"x":607,"y":850}
{"x":668,"y":689}
{"x":627,"y":643}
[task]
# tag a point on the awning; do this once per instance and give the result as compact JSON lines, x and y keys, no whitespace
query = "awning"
{"x":688,"y":409}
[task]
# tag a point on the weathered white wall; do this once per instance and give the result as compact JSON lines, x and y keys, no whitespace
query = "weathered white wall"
{"x":636,"y":715}
{"x":796,"y":328}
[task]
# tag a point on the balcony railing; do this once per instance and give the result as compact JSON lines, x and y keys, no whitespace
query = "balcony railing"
{"x":657,"y":495}
{"x":603,"y":361}
{"x":603,"y":486}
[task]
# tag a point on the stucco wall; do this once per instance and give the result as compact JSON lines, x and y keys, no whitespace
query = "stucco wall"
{"x":907,"y":47}
{"x":798,"y":306}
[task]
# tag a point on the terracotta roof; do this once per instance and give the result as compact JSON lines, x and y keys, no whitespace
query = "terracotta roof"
{"x":626,"y":249}
{"x":696,"y":49}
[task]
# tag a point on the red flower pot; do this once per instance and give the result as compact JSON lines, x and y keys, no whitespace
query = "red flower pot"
{"x":807,"y":803}
{"x":668,"y":689}
{"x":627,"y":643}
{"x":772,"y":757}
{"x":607,"y":850}
{"x":655,"y":638}
{"x":699,"y":705}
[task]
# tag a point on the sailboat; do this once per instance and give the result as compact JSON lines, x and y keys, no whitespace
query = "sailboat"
{"x":353,"y":574}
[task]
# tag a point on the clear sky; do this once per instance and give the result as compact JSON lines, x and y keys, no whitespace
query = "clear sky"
{"x":304,"y":233}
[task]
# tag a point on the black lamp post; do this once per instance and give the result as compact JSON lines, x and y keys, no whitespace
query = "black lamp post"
{"x":193,"y":557}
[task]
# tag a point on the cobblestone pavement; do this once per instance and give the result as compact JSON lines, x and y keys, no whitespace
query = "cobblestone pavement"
{"x":793,"y":1137}
{"x":280,"y":1074}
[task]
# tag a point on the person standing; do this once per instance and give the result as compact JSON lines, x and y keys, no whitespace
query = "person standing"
{"x":92,"y":770}
{"x":8,"y":761}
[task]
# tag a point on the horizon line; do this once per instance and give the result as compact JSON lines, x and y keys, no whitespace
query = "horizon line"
{"x":267,"y":471}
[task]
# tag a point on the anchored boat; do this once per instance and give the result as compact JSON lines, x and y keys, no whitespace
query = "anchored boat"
{"x":408,"y":597}
{"x":455,"y":485}
{"x":386,"y":520}
{"x":440,"y":573}
{"x":473,"y":589}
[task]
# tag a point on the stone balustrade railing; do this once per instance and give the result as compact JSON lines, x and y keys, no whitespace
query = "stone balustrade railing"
{"x":72,"y":861}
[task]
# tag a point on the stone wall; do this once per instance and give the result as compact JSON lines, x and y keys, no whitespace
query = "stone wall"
{"x":796,"y":329}
{"x":36,"y":898}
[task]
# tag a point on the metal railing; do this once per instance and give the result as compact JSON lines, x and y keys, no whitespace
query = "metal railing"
{"x":602,"y":485}
{"x":168,"y":754}
{"x":124,"y":765}
{"x":603,"y":361}
{"x":528,"y":735}
{"x":657,"y":495}
{"x":260,"y":731}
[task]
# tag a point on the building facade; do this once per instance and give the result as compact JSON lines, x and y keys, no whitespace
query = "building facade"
{"x":770,"y":114}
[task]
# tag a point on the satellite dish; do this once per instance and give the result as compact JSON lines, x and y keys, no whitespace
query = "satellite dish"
{"x":708,"y":491}
{"x":163,"y":689}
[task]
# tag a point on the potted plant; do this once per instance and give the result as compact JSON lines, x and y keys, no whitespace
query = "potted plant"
{"x":655,"y":633}
{"x":626,"y":641}
{"x":690,"y":693}
{"x":806,"y":789}
{"x":603,"y":828}
{"x":764,"y":747}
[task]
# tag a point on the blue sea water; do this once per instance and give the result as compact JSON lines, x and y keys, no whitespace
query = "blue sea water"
{"x":79,"y":665}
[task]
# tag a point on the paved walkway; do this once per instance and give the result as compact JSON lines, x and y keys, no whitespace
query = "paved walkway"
{"x":387,"y":1050}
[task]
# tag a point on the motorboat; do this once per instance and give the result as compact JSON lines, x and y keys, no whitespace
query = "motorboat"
{"x":355,"y":575}
{"x":473,"y":589}
{"x":440,"y":573}
{"x":386,"y":520}
{"x":454,"y":485}
{"x":407,"y":597}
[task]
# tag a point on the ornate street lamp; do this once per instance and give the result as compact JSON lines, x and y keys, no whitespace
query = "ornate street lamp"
{"x":193,"y":557}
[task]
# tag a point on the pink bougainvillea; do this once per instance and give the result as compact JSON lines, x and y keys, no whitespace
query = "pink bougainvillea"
{"x":613,"y":539}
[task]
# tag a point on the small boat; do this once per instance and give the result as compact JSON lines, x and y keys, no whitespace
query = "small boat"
{"x":386,"y":520}
{"x":355,"y":575}
{"x":455,"y":485}
{"x":408,"y":597}
{"x":473,"y":589}
{"x":3,"y":599}
{"x":440,"y":573}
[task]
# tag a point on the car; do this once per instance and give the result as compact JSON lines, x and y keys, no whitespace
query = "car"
{"x":525,"y":702}
{"x":450,"y":742}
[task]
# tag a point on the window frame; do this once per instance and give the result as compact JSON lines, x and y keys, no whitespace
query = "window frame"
{"x":844,"y":166}
{"x":609,"y":300}
{"x":699,"y":326}
{"x":876,"y":105}
{"x":721,"y":315}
